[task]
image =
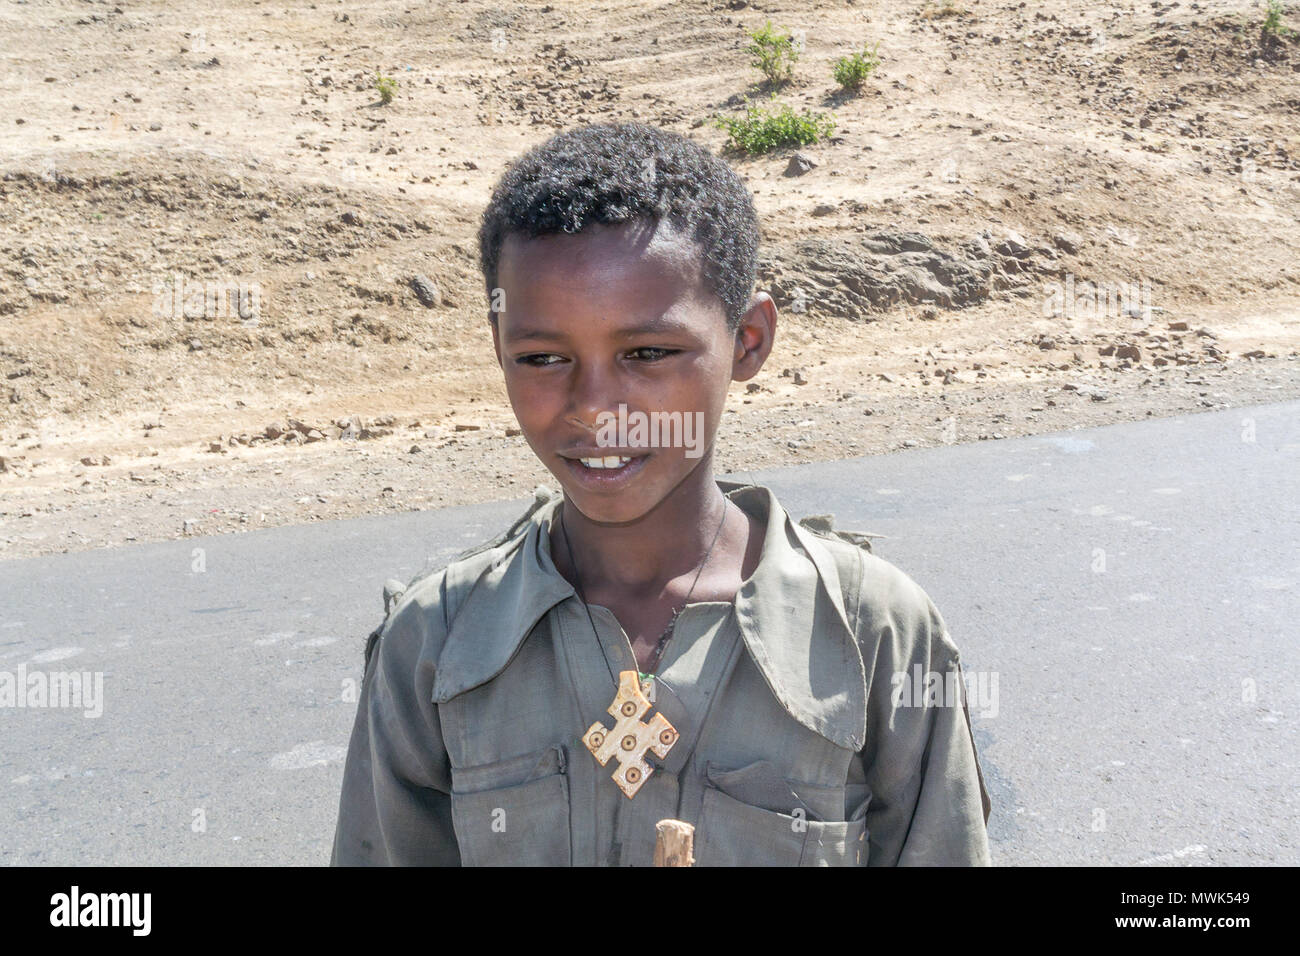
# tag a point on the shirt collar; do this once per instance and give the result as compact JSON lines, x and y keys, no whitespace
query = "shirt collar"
{"x":790,"y":612}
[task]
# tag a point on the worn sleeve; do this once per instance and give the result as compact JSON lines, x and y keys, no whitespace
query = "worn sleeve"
{"x":929,"y":805}
{"x":395,"y":806}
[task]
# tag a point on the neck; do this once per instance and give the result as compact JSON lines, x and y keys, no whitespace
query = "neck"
{"x":668,"y":541}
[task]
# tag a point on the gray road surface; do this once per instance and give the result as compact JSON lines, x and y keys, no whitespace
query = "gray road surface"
{"x":1125,"y":597}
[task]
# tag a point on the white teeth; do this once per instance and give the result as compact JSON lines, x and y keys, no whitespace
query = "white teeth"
{"x":613,"y":461}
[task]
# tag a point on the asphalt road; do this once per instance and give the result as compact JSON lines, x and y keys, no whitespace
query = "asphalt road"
{"x":1127,"y":595}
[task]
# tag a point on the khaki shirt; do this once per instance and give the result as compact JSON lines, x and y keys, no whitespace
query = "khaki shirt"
{"x":468,"y":743}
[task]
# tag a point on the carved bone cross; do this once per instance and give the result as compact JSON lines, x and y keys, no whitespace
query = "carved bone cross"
{"x":630,"y":738}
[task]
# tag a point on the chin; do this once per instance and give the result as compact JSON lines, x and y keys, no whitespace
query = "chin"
{"x":619,"y":508}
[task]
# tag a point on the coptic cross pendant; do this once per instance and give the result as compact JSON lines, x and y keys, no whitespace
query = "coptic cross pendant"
{"x":630,"y":738}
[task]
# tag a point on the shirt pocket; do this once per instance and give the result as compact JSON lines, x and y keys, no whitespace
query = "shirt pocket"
{"x":513,"y":812}
{"x":732,"y":832}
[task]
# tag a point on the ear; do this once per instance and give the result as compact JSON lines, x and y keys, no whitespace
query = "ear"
{"x":754,"y":337}
{"x":496,"y":338}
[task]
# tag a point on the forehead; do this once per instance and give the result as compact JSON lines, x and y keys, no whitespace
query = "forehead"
{"x":635,"y":267}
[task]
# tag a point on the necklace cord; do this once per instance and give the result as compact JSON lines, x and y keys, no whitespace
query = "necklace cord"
{"x":583,"y":597}
{"x":667,"y":631}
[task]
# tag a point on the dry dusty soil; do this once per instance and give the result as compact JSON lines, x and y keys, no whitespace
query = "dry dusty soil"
{"x":237,"y":290}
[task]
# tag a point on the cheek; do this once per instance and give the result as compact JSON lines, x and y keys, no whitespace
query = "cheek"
{"x":711,"y":385}
{"x":534,"y":402}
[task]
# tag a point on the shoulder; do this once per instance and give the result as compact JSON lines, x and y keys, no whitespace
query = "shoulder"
{"x":876,"y":595}
{"x":892,"y":614}
{"x":891,"y":593}
{"x":413,"y":629}
{"x":422,"y":610}
{"x":902,"y":618}
{"x":419,"y":614}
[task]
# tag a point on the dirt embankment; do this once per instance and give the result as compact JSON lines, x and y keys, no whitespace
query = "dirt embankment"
{"x":236,"y":290}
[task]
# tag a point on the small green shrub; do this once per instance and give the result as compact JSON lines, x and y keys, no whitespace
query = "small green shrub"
{"x":1273,"y":25}
{"x":850,"y":71}
{"x":760,"y":130}
{"x":774,"y":53}
{"x":387,"y":87}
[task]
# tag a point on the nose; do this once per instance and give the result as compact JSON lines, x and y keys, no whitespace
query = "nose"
{"x":593,"y":389}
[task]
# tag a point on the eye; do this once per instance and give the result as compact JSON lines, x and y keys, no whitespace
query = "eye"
{"x":650,"y":353}
{"x":538,"y":359}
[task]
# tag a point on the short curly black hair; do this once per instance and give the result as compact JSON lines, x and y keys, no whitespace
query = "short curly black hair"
{"x":621,"y":172}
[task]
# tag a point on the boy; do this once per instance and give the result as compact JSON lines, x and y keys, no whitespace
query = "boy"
{"x":653,"y":643}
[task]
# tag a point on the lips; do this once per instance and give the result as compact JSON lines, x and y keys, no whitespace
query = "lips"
{"x":603,"y":472}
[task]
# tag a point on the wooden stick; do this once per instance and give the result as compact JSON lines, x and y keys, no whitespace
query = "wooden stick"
{"x":674,"y":843}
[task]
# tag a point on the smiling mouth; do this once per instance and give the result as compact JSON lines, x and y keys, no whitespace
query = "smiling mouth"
{"x":610,"y":462}
{"x":608,"y":472}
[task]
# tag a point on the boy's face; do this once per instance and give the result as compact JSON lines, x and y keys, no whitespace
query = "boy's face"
{"x":618,"y":316}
